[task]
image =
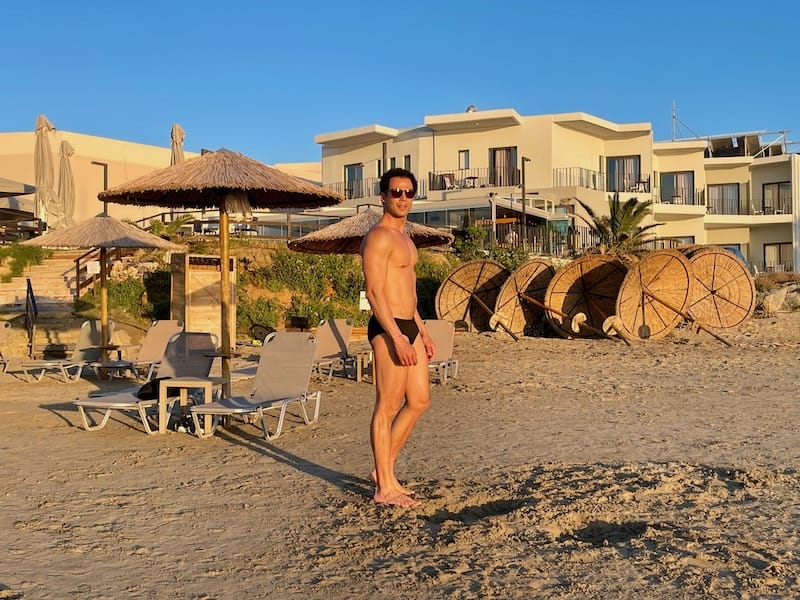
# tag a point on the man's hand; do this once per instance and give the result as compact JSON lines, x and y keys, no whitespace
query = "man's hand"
{"x":406,"y":355}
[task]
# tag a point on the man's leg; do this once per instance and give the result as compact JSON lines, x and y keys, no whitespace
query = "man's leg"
{"x":393,"y":421}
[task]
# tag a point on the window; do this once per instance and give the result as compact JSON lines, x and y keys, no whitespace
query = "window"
{"x":503,"y":166}
{"x":777,"y":198}
{"x":463,"y":159}
{"x":778,"y":257}
{"x":623,"y":173}
{"x":353,"y":176}
{"x":407,"y":162}
{"x":723,"y":199}
{"x":380,"y":172}
{"x":677,"y":187}
{"x":393,"y":163}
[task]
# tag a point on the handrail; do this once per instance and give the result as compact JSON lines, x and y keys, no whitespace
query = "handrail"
{"x":31,"y":314}
{"x":90,"y":278}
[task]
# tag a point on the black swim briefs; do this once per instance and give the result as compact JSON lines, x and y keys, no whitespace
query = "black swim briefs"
{"x":408,"y":327}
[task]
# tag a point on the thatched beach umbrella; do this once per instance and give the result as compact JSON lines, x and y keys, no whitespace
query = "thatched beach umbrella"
{"x":230,"y":182}
{"x":345,"y":237}
{"x":102,"y":232}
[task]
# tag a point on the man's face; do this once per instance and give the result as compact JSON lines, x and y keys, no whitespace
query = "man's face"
{"x":398,"y":206}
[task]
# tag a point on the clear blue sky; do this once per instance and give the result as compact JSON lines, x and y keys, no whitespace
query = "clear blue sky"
{"x":264,"y":77}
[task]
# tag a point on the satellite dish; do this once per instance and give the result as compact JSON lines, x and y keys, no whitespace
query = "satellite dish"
{"x":472,"y":108}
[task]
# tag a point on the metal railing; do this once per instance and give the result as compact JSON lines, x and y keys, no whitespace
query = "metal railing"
{"x":690,"y":196}
{"x":366,"y":188}
{"x":31,"y":318}
{"x":579,"y":177}
{"x":455,"y":179}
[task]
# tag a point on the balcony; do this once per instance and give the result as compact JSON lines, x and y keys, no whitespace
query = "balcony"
{"x":458,"y":179}
{"x":687,"y":196}
{"x":579,"y":177}
{"x":731,"y":206}
{"x":635,"y":184}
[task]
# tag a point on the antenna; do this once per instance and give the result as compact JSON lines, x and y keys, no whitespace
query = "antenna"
{"x":676,"y":123}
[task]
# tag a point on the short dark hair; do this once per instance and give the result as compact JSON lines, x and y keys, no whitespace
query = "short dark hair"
{"x":398,"y":172}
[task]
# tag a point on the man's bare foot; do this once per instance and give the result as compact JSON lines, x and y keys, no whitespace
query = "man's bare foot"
{"x":395,"y":499}
{"x":373,"y":477}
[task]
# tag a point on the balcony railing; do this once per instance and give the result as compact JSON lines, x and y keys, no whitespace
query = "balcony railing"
{"x":637,"y":183}
{"x":366,"y":188}
{"x":690,"y":196}
{"x":455,"y":179}
{"x":579,"y":177}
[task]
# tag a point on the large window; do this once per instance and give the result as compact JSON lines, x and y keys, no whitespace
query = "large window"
{"x":777,"y":198}
{"x":407,"y":162}
{"x":778,"y":257}
{"x":623,"y":173}
{"x":678,"y":187}
{"x":723,"y":198}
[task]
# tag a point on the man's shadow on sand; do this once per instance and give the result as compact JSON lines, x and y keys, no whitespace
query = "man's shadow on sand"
{"x":344,"y":481}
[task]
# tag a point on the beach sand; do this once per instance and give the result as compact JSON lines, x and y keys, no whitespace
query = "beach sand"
{"x":549,"y":468}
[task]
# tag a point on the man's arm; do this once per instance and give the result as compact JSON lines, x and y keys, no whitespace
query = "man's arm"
{"x":375,"y":253}
{"x":430,"y":349}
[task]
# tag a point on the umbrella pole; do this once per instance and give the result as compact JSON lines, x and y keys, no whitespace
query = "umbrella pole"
{"x":104,"y":337}
{"x":685,"y":315}
{"x":225,"y":300}
{"x":564,"y":315}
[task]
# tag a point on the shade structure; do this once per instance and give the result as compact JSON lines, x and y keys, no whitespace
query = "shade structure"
{"x":520,"y":303}
{"x":230,"y":182}
{"x":584,"y":291}
{"x":10,"y":188}
{"x":66,"y":187}
{"x":654,"y":295}
{"x":105,"y":233}
{"x":176,"y":145}
{"x":724,"y":290}
{"x":43,"y":167}
{"x":469,"y":293}
{"x":345,"y":237}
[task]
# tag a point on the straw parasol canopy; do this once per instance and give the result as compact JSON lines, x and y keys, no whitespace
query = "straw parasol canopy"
{"x":520,"y":303}
{"x":232,"y":183}
{"x":102,"y":232}
{"x":469,"y":293}
{"x":345,"y":237}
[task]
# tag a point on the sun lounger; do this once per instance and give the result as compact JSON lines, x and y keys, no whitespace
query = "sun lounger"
{"x":87,"y":351}
{"x":186,"y":356}
{"x":333,"y":336}
{"x":443,"y":364}
{"x":282,"y":377}
{"x":145,"y":364}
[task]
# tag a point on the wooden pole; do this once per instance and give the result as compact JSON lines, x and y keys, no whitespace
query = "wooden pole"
{"x":488,"y":310}
{"x":226,"y":341}
{"x":104,"y":337}
{"x":564,"y":315}
{"x":686,"y":316}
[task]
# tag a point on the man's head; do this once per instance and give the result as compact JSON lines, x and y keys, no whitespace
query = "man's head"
{"x":387,"y":177}
{"x":398,"y":188}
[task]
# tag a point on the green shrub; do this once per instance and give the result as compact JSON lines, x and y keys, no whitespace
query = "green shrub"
{"x":431,"y":269}
{"x":19,"y":257}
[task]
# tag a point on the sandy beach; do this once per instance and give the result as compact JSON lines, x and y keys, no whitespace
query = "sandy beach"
{"x":549,"y":468}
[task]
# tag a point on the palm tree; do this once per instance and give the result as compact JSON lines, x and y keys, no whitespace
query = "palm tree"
{"x":621,"y":231}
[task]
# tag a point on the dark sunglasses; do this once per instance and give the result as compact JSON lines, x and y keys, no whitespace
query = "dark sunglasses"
{"x":398,"y":192}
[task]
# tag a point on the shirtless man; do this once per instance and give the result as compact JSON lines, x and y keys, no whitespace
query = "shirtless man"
{"x":400,"y":344}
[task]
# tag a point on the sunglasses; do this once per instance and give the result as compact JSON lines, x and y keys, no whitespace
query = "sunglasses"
{"x":398,"y":192}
